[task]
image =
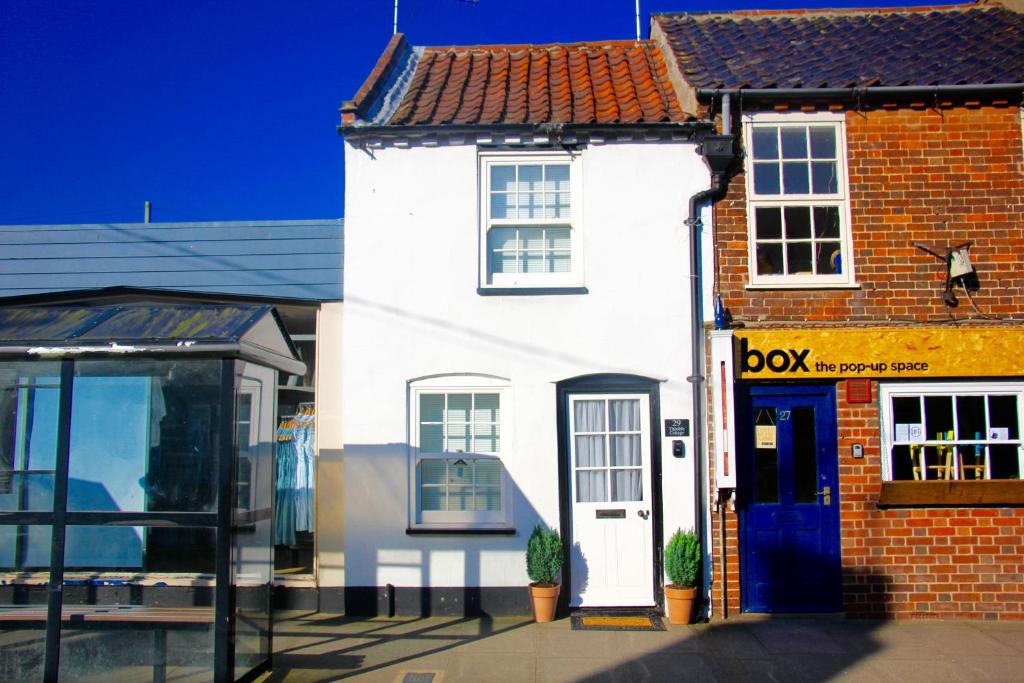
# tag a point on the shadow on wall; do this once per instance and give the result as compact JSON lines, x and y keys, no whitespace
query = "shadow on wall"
{"x":392,"y":569}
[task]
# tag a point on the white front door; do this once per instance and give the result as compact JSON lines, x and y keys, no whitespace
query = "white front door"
{"x":610,"y":493}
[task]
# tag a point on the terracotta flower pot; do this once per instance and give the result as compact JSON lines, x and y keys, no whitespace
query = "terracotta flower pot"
{"x":544,"y":599}
{"x":680,"y":603}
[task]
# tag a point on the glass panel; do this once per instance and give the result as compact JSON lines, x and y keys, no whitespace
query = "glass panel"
{"x":459,"y":406}
{"x":556,"y":177}
{"x":823,"y":142}
{"x":501,"y":238}
{"x":486,"y":438}
{"x":903,"y":464}
{"x":29,"y":397}
{"x":624,"y":415}
{"x":823,"y":177}
{"x":503,"y":206}
{"x":805,"y":456}
{"x":460,"y":498}
{"x":530,"y":178}
{"x":766,"y":178}
{"x":532,"y":262}
{"x":503,"y":178}
{"x":1005,"y":459}
{"x":24,"y":547}
{"x":938,"y":417}
{"x":558,"y":205}
{"x":432,"y":498}
{"x":488,"y":500}
{"x":431,"y":439}
{"x":253,"y":525}
{"x":830,"y":258}
{"x":625,"y":450}
{"x":557,"y":238}
{"x":22,"y":645}
{"x":243,"y":425}
{"x":590,"y":451}
{"x":144,"y":435}
{"x":504,"y":262}
{"x":118,"y":638}
{"x":798,"y":222}
{"x":458,"y":438}
{"x":769,"y":259}
{"x":626,"y":485}
{"x":431,"y":407}
{"x":766,"y":462}
{"x":794,"y":178}
{"x":433,"y":471}
{"x":766,"y":142}
{"x":531,"y":205}
{"x":798,"y":255}
{"x":1002,"y":412}
{"x":589,"y":416}
{"x":906,"y":410}
{"x":794,"y":143}
{"x":971,"y":461}
{"x":558,"y":262}
{"x":591,"y":486}
{"x":460,"y":472}
{"x":531,"y":238}
{"x":826,"y":221}
{"x":970,"y":417}
{"x":768,"y":223}
{"x":488,"y":473}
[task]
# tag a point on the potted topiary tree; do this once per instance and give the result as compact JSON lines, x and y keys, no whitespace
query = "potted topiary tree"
{"x":544,"y":559}
{"x":682,"y":564}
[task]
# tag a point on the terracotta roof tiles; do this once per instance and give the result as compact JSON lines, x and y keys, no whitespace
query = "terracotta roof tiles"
{"x":577,"y":83}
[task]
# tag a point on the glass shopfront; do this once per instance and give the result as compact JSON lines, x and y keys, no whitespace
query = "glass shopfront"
{"x":115,"y":464}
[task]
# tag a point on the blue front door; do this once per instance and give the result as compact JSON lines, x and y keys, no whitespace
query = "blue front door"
{"x":789,"y":499}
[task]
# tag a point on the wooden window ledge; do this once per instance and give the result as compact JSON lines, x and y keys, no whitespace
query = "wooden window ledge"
{"x":952,"y":493}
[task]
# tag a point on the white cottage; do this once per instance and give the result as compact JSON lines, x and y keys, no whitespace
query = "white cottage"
{"x":518,"y":328}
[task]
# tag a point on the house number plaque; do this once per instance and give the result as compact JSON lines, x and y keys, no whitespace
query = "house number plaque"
{"x":677,"y":427}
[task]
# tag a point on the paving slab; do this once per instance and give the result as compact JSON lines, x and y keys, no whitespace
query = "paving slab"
{"x":314,"y":648}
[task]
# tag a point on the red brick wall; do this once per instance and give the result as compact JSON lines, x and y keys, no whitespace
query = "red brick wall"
{"x":938,"y":177}
{"x":915,"y":175}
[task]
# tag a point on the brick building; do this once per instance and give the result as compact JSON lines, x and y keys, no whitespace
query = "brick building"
{"x":867,"y":402}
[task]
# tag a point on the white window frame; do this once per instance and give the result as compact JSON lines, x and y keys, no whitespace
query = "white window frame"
{"x":840,"y":199}
{"x":886,"y":393}
{"x":455,"y":384}
{"x":573,"y":278}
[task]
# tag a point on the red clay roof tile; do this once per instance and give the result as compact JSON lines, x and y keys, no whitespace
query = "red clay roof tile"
{"x":582,"y":83}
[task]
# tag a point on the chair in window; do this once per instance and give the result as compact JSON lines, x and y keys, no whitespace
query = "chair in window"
{"x":916,"y":459}
{"x":944,"y":468}
{"x":972,"y":459}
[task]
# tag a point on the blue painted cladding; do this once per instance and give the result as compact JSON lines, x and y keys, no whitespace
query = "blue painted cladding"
{"x":274,"y":259}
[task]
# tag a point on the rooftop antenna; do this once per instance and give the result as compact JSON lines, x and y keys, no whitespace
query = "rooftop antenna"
{"x":637,"y":20}
{"x":148,"y":212}
{"x":395,"y":28}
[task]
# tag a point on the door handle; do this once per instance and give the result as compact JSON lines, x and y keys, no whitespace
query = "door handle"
{"x":826,"y":494}
{"x":643,"y":514}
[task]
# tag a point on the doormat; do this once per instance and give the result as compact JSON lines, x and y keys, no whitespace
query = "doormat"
{"x":616,"y":622}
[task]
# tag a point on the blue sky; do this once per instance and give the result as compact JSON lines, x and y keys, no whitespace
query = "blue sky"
{"x":227,"y":110}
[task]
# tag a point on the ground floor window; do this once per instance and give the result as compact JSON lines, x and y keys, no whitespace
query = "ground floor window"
{"x":458,"y":447}
{"x":952,"y":431}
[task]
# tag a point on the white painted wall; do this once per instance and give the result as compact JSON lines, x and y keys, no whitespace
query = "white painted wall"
{"x":412,"y":309}
{"x":330,"y":526}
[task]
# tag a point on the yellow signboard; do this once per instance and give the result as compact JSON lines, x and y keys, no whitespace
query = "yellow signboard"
{"x":887,"y":352}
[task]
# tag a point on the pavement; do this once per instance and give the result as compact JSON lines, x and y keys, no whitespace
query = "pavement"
{"x":319,"y":647}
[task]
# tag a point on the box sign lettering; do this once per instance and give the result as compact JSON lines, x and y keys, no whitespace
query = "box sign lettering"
{"x":879,"y":353}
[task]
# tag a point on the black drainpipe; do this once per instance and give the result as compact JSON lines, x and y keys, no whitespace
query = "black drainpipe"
{"x":719,"y":152}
